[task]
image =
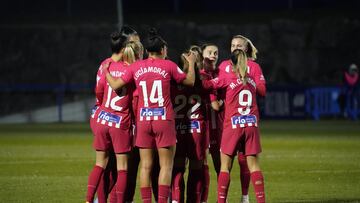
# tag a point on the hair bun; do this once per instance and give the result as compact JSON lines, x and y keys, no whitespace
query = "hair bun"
{"x":152,"y":32}
{"x":115,"y":35}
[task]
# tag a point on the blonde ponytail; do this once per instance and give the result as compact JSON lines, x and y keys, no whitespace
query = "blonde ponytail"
{"x":133,"y":51}
{"x":239,"y":61}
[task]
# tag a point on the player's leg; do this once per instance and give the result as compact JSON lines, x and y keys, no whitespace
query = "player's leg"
{"x":96,"y":174}
{"x":205,"y":169}
{"x":194,"y":181}
{"x":165,"y":138}
{"x":252,"y":150}
{"x":215,"y":155}
{"x":229,"y":145}
{"x":197,"y":144}
{"x":133,"y":165}
{"x":112,"y":182}
{"x":146,"y":164}
{"x":122,"y":168}
{"x":102,"y":144}
{"x":257,"y":178}
{"x":155,"y":175}
{"x":178,"y":184}
{"x":122,"y":144}
{"x":107,"y":181}
{"x":244,"y":177}
{"x":205,"y":179}
{"x":166,"y":160}
{"x":224,"y":177}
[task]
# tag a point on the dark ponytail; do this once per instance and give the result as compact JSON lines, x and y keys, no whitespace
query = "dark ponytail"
{"x":117,"y":42}
{"x":154,"y":42}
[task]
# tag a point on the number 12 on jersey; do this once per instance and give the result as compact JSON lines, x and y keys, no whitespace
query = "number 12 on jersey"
{"x":156,"y":90}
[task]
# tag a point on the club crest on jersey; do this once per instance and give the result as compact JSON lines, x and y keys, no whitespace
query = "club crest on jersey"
{"x":243,"y":121}
{"x":109,"y":118}
{"x":152,"y":113}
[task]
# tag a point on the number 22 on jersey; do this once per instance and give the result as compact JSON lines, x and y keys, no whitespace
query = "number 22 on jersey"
{"x":182,"y":101}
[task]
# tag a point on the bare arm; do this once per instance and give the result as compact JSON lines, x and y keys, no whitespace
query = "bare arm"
{"x":190,"y":76}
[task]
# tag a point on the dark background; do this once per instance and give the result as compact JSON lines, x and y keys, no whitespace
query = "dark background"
{"x":300,"y":42}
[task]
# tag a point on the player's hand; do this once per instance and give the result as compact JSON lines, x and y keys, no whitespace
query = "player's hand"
{"x":208,"y":63}
{"x":190,"y":57}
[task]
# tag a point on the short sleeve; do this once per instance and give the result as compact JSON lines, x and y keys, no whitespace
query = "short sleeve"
{"x":128,"y":74}
{"x":176,"y":73}
{"x":258,"y":75}
{"x":259,"y":79}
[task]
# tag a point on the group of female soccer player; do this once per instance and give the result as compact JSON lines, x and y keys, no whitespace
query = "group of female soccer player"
{"x":169,"y":115}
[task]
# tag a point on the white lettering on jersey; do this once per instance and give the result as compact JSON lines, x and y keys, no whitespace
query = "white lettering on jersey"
{"x":150,"y":69}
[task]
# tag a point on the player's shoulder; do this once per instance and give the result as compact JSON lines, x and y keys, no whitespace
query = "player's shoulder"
{"x":253,"y":64}
{"x":224,"y":63}
{"x":105,"y":61}
{"x":225,"y":66}
{"x":167,"y":62}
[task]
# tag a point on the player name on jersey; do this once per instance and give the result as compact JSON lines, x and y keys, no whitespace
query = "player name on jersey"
{"x":116,"y":73}
{"x":239,"y":82}
{"x":150,"y":69}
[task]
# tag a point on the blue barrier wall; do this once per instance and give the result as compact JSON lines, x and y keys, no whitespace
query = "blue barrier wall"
{"x":281,"y":102}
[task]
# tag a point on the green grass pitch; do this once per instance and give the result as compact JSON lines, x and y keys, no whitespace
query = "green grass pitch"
{"x":302,"y":161}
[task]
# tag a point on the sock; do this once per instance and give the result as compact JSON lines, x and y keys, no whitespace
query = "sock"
{"x":244,"y":174}
{"x":145,"y":194}
{"x":94,"y":179}
{"x":113,"y":198}
{"x":193,"y":191}
{"x":177,"y":189}
{"x":101,"y":189}
{"x":245,"y":197}
{"x":163,"y":192}
{"x":257,"y":180}
{"x":223,"y":186}
{"x":133,"y":163}
{"x":205,"y":184}
{"x":112,"y":182}
{"x":121,"y":186}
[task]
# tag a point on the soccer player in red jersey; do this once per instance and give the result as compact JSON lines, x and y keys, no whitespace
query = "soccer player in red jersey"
{"x":113,"y":119}
{"x":155,"y":120}
{"x":210,"y":53}
{"x":110,"y":174}
{"x":254,"y":70}
{"x":240,"y":131}
{"x":190,"y":108}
